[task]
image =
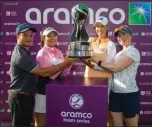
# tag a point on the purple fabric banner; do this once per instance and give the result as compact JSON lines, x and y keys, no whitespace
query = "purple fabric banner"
{"x":58,"y":14}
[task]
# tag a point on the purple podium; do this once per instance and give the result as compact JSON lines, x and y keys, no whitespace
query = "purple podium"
{"x":77,"y":102}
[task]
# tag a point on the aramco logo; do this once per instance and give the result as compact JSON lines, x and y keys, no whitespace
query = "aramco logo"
{"x":76,"y":101}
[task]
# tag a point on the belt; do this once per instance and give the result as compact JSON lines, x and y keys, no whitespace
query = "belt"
{"x":25,"y":93}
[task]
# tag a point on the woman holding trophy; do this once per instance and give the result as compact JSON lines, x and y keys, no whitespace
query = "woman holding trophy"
{"x":48,"y":55}
{"x":103,"y":49}
{"x":124,"y":100}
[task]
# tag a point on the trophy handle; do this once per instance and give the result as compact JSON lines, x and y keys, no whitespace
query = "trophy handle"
{"x":75,"y":36}
{"x":79,"y":33}
{"x":83,"y":33}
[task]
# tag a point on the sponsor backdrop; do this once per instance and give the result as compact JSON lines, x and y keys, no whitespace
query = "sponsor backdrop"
{"x":58,"y":14}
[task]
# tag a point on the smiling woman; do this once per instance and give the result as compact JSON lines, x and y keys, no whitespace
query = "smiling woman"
{"x":103,"y":50}
{"x":124,"y":100}
{"x":48,"y":55}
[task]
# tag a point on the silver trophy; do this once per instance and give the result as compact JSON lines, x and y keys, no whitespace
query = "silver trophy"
{"x":79,"y":46}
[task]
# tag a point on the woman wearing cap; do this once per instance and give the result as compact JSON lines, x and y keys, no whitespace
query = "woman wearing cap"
{"x":49,"y":55}
{"x":124,"y":100}
{"x":103,"y":49}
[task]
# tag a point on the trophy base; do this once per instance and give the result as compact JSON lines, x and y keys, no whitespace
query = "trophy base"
{"x":79,"y":54}
{"x":79,"y":50}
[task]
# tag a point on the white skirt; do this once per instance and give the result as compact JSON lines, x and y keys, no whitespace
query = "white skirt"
{"x":40,"y":103}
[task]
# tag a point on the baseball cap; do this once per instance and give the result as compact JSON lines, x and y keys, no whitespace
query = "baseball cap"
{"x":24,"y":27}
{"x":103,"y":20}
{"x":48,"y":30}
{"x":124,"y":29}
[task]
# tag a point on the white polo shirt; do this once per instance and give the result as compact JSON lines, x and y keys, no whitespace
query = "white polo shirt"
{"x":125,"y":80}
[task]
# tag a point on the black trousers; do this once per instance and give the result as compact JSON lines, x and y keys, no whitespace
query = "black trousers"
{"x":21,"y":106}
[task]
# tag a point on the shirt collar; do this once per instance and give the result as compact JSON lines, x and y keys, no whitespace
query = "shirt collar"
{"x":23,"y":49}
{"x":53,"y":49}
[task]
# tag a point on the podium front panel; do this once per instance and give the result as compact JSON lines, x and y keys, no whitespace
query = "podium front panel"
{"x":76,"y":105}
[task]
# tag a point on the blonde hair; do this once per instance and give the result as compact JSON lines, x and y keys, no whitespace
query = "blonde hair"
{"x":106,"y":31}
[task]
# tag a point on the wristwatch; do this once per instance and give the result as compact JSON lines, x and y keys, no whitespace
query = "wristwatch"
{"x":99,"y":63}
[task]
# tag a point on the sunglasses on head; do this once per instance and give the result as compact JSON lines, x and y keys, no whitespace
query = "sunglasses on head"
{"x":120,"y":28}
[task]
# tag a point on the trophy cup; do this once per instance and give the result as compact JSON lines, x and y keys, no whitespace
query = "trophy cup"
{"x":79,"y":46}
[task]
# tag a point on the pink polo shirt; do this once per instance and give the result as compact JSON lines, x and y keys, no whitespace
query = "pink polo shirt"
{"x":51,"y":56}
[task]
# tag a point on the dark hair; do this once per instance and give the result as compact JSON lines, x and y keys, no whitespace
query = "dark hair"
{"x":42,"y":37}
{"x":42,"y":41}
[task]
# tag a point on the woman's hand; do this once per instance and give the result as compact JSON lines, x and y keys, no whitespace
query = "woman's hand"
{"x":87,"y":62}
{"x":94,"y":59}
{"x":70,"y":61}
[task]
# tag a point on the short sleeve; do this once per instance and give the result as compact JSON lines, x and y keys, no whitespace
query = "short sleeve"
{"x":26,"y":63}
{"x":134,"y":54}
{"x":111,"y":52}
{"x":46,"y":60}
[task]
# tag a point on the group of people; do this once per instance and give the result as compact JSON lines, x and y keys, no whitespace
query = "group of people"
{"x":27,"y":92}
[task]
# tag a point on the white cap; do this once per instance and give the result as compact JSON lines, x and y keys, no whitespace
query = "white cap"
{"x":48,"y":30}
{"x":103,"y":20}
